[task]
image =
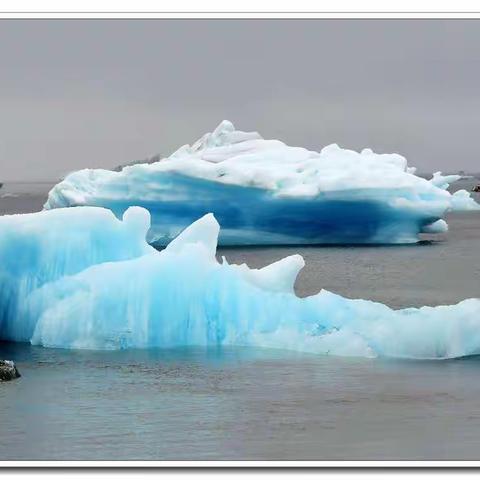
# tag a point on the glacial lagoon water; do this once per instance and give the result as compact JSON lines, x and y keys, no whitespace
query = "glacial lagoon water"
{"x":253,"y":404}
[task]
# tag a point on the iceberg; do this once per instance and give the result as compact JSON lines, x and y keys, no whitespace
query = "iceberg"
{"x":79,"y":278}
{"x":39,"y":248}
{"x":266,"y":192}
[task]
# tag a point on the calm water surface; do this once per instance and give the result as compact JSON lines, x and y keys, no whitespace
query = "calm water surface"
{"x":239,"y":403}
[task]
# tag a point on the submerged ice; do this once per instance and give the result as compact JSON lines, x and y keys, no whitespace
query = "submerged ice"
{"x":80,"y":278}
{"x":266,"y":192}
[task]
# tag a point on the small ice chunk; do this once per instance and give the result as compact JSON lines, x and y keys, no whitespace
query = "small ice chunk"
{"x":440,"y":226}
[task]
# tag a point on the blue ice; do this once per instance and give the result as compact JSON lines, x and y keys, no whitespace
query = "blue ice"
{"x":79,"y":278}
{"x":266,"y":192}
{"x":39,"y":248}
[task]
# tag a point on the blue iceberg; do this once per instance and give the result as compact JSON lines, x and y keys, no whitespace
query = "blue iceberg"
{"x":265,"y":192}
{"x":39,"y":248}
{"x":80,"y":278}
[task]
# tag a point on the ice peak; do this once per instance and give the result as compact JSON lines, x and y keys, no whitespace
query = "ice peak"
{"x":225,"y":126}
{"x":224,"y":134}
{"x":281,"y":275}
{"x":138,"y":219}
{"x":277,"y":277}
{"x":204,"y":231}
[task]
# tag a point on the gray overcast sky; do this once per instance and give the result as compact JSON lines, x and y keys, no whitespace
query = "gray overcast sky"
{"x":98,"y":93}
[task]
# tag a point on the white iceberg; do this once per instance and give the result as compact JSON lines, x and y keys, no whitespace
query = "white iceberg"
{"x":79,"y":278}
{"x":266,"y":192}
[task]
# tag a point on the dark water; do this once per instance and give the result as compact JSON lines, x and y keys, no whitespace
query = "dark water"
{"x":238,"y":403}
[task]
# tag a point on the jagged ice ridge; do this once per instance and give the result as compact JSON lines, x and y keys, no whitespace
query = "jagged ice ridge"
{"x":81,"y":278}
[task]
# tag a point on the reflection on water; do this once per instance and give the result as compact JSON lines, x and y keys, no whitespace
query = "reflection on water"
{"x":235,"y":403}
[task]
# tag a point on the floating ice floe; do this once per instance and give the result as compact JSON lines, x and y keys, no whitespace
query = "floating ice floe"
{"x":80,"y":278}
{"x":266,"y":192}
